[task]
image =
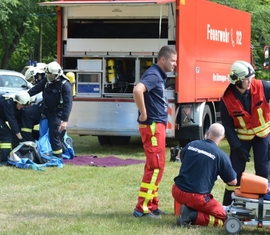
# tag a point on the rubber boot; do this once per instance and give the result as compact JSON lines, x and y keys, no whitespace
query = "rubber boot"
{"x":187,"y":216}
{"x":174,"y":154}
{"x":227,"y":198}
{"x":4,"y":157}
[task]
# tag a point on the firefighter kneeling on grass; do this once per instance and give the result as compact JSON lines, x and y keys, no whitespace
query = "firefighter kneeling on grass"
{"x":202,"y":162}
{"x":56,"y":105}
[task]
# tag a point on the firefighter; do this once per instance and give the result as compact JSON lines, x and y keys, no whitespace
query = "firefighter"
{"x":29,"y":116}
{"x":149,"y":96}
{"x":245,"y":114}
{"x":193,"y":185}
{"x":10,"y":135}
{"x":56,"y":105}
{"x":34,"y":75}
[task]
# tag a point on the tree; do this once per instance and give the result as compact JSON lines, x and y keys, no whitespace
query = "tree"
{"x":19,"y":32}
{"x":260,"y":30}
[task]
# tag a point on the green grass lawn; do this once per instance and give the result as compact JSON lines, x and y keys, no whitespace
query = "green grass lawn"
{"x":92,"y":200}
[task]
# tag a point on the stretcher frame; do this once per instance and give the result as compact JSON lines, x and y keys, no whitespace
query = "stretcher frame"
{"x":248,"y":212}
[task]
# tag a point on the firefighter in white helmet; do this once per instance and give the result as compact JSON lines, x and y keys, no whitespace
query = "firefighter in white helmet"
{"x":56,"y":105}
{"x":34,"y":75}
{"x":10,"y":110}
{"x":245,"y":114}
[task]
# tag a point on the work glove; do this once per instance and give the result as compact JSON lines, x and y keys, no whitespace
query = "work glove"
{"x":243,"y":154}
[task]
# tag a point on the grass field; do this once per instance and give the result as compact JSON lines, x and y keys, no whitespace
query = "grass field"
{"x":92,"y":200}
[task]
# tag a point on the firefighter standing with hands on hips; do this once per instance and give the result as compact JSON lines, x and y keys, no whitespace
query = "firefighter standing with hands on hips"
{"x":149,"y":96}
{"x":56,"y":105}
{"x":245,"y":114}
{"x":10,"y":111}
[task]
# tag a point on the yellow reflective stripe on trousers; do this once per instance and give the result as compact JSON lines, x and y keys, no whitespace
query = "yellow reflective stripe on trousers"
{"x":24,"y":129}
{"x":148,"y":186}
{"x":231,"y":188}
{"x":220,"y":223}
{"x":58,"y":151}
{"x":211,"y":220}
{"x":5,"y":146}
{"x":153,"y":128}
{"x":149,"y":194}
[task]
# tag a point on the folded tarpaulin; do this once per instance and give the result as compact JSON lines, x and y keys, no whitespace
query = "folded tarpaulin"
{"x":109,"y":161}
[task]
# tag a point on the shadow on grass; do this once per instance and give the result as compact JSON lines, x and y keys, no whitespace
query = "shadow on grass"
{"x":89,"y":145}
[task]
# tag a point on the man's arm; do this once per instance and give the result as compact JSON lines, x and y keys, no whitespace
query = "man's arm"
{"x":66,"y":93}
{"x":138,"y":91}
{"x":233,"y":182}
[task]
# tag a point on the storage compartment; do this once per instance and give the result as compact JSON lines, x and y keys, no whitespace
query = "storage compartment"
{"x":119,"y":76}
{"x":89,"y":84}
{"x":88,"y":65}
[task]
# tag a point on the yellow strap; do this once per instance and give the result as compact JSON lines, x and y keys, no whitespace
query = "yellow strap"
{"x":153,"y":128}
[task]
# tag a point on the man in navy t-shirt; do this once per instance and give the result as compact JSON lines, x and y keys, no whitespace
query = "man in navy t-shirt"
{"x":202,"y":162}
{"x":149,"y":96}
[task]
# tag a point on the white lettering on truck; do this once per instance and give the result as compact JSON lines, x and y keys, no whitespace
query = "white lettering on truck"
{"x":220,"y":78}
{"x":218,"y":35}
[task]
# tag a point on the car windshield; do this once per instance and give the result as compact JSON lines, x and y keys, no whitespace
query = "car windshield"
{"x":13,"y":81}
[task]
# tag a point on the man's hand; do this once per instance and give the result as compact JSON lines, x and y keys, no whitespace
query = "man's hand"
{"x":243,"y":154}
{"x":63,"y":126}
{"x":143,"y":117}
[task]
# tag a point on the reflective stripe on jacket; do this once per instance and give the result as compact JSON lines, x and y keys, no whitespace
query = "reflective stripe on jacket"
{"x":248,"y":125}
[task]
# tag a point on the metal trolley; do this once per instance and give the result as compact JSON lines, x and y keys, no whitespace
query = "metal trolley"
{"x":247,"y":208}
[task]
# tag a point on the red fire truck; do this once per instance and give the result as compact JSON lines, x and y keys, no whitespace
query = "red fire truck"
{"x":109,"y":44}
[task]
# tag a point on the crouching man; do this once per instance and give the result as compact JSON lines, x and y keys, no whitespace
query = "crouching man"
{"x":202,"y":162}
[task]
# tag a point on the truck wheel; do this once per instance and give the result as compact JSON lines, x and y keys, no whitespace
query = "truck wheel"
{"x":104,"y":140}
{"x":120,"y":140}
{"x":207,"y":121}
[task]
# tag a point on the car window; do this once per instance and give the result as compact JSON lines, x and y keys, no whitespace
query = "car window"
{"x":13,"y":81}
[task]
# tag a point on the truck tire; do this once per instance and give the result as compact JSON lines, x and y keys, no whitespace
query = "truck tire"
{"x":207,"y":121}
{"x":104,"y":140}
{"x":120,"y":140}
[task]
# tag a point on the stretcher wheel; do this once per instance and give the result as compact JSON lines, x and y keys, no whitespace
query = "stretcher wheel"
{"x":233,"y":225}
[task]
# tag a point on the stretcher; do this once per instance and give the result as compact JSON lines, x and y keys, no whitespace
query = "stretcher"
{"x":250,"y":205}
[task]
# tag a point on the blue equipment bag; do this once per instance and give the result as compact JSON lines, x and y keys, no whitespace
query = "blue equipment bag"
{"x":67,"y":143}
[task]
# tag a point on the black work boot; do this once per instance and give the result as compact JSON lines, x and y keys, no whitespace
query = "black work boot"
{"x":227,"y":198}
{"x":59,"y":156}
{"x":4,"y":157}
{"x":174,"y":154}
{"x":187,"y":216}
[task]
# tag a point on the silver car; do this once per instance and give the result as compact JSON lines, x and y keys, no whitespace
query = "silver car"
{"x":12,"y":82}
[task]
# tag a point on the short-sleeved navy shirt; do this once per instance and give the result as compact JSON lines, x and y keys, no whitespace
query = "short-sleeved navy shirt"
{"x":202,"y":162}
{"x":155,"y":100}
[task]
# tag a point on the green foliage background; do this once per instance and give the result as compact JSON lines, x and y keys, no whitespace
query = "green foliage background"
{"x":260,"y":31}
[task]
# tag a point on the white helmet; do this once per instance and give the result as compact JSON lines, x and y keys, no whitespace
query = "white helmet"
{"x":54,"y":68}
{"x":31,"y":73}
{"x":240,"y":70}
{"x":22,"y":97}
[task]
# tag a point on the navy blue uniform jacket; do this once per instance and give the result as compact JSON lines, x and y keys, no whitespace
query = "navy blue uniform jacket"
{"x":52,"y":93}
